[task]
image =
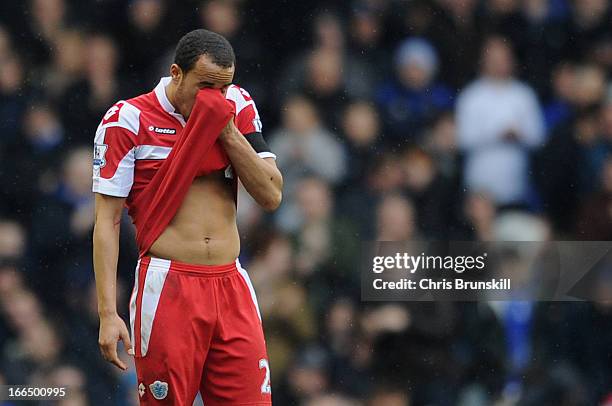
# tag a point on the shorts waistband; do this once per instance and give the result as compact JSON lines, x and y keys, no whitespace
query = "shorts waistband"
{"x":191,"y":269}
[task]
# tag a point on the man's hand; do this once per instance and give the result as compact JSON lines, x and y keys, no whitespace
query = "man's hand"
{"x":113,"y":329}
{"x":229,"y":130}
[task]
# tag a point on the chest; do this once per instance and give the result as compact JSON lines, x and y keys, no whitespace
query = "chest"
{"x":157,"y":136}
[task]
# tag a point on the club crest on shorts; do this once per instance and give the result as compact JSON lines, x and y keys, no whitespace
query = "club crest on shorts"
{"x":159,"y":389}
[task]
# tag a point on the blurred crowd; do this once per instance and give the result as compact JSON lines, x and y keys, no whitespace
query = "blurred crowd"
{"x":392,"y":120}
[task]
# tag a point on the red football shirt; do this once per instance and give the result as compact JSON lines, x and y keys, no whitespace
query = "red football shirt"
{"x":136,"y":135}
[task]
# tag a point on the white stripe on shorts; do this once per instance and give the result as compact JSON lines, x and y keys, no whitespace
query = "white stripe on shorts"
{"x":246,"y":278}
{"x":153,"y":285}
{"x":133,"y":302}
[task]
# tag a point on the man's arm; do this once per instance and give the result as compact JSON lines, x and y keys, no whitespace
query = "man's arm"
{"x":105,"y":256}
{"x":260,"y":177}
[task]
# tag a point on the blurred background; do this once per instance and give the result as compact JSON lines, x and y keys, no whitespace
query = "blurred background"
{"x":392,"y":120}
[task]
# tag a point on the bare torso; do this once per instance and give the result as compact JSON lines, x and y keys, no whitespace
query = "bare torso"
{"x":204,"y":229}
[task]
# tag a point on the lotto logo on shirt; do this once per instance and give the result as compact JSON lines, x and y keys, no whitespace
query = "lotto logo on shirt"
{"x":160,"y":130}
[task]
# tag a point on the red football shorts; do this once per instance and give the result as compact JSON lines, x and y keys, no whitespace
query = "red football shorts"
{"x":197,"y":328}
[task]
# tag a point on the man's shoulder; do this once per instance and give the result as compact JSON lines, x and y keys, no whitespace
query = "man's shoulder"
{"x":237,"y":91}
{"x":127,"y":113}
{"x":122,"y":114}
{"x":240,"y":96}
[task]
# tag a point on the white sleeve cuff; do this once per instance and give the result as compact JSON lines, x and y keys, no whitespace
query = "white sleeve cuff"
{"x":105,"y":187}
{"x":266,"y":155}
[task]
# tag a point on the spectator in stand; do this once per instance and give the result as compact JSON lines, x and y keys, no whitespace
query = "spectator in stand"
{"x":412,"y":98}
{"x":65,"y":222}
{"x":227,"y":17}
{"x":303,"y":145}
{"x":12,"y":240}
{"x":307,"y":377}
{"x":326,"y":247}
{"x":352,"y":353}
{"x":559,"y":108}
{"x":12,"y":250}
{"x":306,"y":144}
{"x":13,"y":100}
{"x":499,"y":121}
{"x":361,"y":130}
{"x":458,"y":37}
{"x":42,"y":139}
{"x":441,"y":141}
{"x":328,"y":73}
{"x":589,"y":27}
{"x":396,"y":219}
{"x":366,"y":31}
{"x":602,"y":148}
{"x":479,"y":212}
{"x":37,"y":343}
{"x":43,"y":23}
{"x":146,"y":24}
{"x":595,"y":219}
{"x":87,"y":101}
{"x":540,"y":46}
{"x":71,"y":378}
{"x":358,"y":203}
{"x":66,"y":67}
{"x":430,"y":191}
{"x":569,"y":164}
{"x":589,"y":86}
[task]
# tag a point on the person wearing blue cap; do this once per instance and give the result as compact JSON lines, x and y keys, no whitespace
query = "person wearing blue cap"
{"x":413,"y":97}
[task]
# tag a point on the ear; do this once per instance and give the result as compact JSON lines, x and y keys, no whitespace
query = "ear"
{"x":176,"y":73}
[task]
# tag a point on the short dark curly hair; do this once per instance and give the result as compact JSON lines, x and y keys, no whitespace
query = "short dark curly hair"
{"x":203,"y":42}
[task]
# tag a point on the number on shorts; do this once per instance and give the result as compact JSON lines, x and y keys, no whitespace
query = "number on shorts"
{"x":265,"y":386}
